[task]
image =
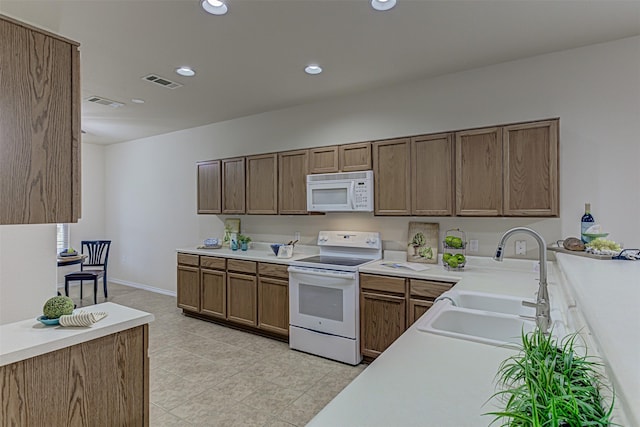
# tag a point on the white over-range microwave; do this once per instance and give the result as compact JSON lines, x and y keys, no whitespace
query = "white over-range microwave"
{"x":340,"y":192}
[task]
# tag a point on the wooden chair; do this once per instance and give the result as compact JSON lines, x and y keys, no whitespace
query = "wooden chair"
{"x":93,"y":268}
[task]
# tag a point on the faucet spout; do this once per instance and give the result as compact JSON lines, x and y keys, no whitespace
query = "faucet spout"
{"x":543,"y":310}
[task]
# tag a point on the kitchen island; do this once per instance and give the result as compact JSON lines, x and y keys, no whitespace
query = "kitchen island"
{"x":426,"y":379}
{"x":77,"y":376}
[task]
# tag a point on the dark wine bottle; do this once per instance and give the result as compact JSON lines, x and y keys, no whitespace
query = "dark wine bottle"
{"x":586,"y":221}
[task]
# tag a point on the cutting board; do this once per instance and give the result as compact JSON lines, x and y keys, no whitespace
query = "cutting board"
{"x":578,"y":253}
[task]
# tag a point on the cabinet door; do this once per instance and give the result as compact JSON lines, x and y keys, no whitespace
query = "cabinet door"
{"x":262,"y":184}
{"x":233,"y":186}
{"x":432,"y":175}
{"x":242,"y":299}
{"x":355,"y":157}
{"x":530,"y":156}
{"x":382,"y":321}
{"x":479,"y":172}
{"x":292,"y":191}
{"x":189,"y":288}
{"x":323,"y":159}
{"x":209,"y":197}
{"x":392,"y":177}
{"x":417,"y":308}
{"x":273,"y":305}
{"x":39,"y":127}
{"x":213,"y":293}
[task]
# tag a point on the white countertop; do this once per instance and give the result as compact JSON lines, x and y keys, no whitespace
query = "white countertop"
{"x":260,"y":252}
{"x":607,"y":294}
{"x":425,"y":379}
{"x":29,"y":338}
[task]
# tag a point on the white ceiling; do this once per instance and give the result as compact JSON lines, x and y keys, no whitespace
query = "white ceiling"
{"x":252,"y":59}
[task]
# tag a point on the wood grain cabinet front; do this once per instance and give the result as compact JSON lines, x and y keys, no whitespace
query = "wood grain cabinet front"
{"x":479,"y":172}
{"x":355,"y":157}
{"x":382,"y":312}
{"x":209,"y":187}
{"x":292,"y":182}
{"x":100,"y":382}
{"x":233,"y":186}
{"x":242,"y":299}
{"x":392,"y":177}
{"x":188,"y":283}
{"x":530,"y":177}
{"x":40,"y":126}
{"x":432,"y":175}
{"x":323,"y":159}
{"x":262,"y":184}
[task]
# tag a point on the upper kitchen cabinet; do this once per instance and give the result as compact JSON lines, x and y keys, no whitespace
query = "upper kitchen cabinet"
{"x":530,"y":157}
{"x":355,"y":157}
{"x":479,"y":172}
{"x":262,"y":184}
{"x":233,"y":186}
{"x":292,"y":191}
{"x":209,"y":178}
{"x":392,"y":177}
{"x":39,"y":126}
{"x":432,"y":175}
{"x":323,"y":159}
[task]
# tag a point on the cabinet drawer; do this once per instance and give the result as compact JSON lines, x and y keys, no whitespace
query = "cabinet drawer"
{"x":188,"y":259}
{"x":213,"y":262}
{"x":382,"y":283}
{"x":428,"y":289}
{"x":241,"y":266}
{"x":273,"y":270}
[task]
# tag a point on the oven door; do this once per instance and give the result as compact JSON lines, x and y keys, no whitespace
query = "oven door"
{"x":324,"y":301}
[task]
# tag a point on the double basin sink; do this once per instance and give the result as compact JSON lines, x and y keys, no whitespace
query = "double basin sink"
{"x":482,"y":317}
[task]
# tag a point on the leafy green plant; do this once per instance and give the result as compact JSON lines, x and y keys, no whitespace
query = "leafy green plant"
{"x":243,"y":239}
{"x":549,"y":383}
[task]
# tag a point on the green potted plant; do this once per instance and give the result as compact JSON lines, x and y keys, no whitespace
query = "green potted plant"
{"x":243,"y":241}
{"x":550,"y":383}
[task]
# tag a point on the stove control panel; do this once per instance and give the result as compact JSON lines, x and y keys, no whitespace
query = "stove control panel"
{"x":350,"y":239}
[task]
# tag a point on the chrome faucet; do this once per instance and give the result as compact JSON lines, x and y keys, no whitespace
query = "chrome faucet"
{"x":542,"y":304}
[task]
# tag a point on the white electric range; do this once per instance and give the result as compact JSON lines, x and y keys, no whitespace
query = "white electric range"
{"x":324,"y":295}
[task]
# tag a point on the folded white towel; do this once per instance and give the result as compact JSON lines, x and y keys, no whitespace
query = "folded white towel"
{"x":82,"y":318}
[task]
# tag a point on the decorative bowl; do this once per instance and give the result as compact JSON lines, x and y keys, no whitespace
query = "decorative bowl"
{"x":45,"y":320}
{"x":587,"y":237}
{"x":275,"y":247}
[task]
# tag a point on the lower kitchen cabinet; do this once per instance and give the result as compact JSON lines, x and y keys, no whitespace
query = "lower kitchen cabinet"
{"x":213,"y":284}
{"x":242,"y":299}
{"x":273,"y":298}
{"x":273,"y":305}
{"x":189,"y":282}
{"x":389,"y":305}
{"x":382,"y":312}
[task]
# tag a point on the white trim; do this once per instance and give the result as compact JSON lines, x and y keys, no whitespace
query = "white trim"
{"x":132,"y":285}
{"x":145,"y":287}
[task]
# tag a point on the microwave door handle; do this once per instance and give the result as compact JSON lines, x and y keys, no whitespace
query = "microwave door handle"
{"x":352,"y":194}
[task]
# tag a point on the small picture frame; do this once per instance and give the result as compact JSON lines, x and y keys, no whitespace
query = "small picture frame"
{"x":231,"y":228}
{"x":423,"y":242}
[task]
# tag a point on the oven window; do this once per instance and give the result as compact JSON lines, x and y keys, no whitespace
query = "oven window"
{"x":329,"y":196}
{"x":321,"y":302}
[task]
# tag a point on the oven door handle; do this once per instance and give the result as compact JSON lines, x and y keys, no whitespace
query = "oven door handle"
{"x":322,"y":273}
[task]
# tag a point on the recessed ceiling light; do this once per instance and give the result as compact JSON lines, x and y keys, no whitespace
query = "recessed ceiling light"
{"x":214,"y":7}
{"x":313,"y":69}
{"x":383,"y":4}
{"x":137,"y":101}
{"x":186,"y":71}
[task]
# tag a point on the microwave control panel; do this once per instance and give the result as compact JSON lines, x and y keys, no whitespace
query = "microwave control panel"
{"x":361,"y":198}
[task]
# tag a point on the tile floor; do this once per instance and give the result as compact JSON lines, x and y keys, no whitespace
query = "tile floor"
{"x":203,"y":374}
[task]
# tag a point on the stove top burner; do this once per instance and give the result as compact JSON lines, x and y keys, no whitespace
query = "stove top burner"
{"x":335,"y":260}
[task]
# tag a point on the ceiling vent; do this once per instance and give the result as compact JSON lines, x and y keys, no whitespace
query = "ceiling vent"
{"x":161,"y":81}
{"x":104,"y":101}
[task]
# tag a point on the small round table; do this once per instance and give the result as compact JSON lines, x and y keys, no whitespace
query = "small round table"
{"x":71,"y":260}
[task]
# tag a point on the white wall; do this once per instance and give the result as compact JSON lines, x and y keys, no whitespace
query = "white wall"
{"x":595,"y":90}
{"x":27,"y":270}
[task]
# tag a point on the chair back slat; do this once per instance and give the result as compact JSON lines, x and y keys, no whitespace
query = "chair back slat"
{"x":97,"y":251}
